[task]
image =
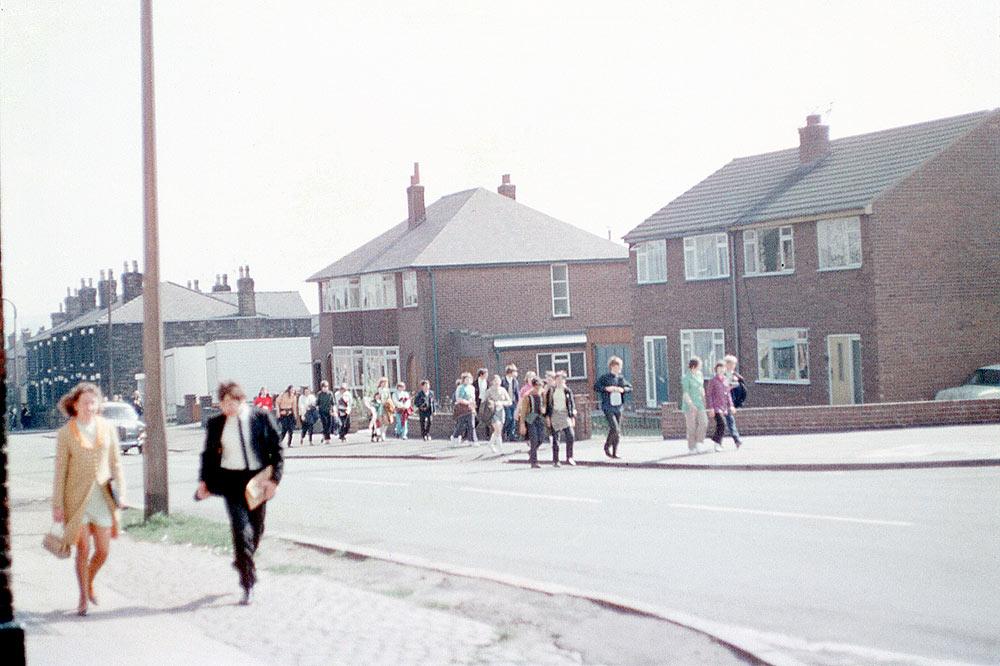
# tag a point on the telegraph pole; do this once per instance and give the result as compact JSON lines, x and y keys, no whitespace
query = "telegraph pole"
{"x":154,"y":465}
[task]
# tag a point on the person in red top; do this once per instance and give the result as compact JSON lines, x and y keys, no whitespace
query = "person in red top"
{"x":263,"y":400}
{"x":719,"y":400}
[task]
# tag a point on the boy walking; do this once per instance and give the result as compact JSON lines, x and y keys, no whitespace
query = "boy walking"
{"x":513,"y":387}
{"x":560,"y":415}
{"x":324,"y":403}
{"x":531,"y":419}
{"x":720,"y":401}
{"x":426,"y":406}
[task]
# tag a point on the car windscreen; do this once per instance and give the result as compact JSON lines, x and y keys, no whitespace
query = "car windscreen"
{"x":985,"y":376}
{"x":119,"y":412}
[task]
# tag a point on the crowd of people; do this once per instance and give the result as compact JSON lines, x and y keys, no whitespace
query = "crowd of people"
{"x":299,"y":410}
{"x":725,"y":392}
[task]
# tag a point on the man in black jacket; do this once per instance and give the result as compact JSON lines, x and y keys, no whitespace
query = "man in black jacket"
{"x":513,"y":387}
{"x":239,"y":443}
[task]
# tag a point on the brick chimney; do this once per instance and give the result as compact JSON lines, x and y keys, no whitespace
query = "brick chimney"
{"x":107,"y":289}
{"x":246,"y":299}
{"x":58,"y":317}
{"x":88,"y":295}
{"x":415,"y":198}
{"x":72,"y":302}
{"x":814,"y":140}
{"x":506,"y":187}
{"x":131,"y":283}
{"x":221,"y":283}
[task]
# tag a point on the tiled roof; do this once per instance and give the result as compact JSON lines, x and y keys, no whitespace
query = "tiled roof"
{"x":775,"y":186}
{"x":475,"y":227}
{"x":179,"y":303}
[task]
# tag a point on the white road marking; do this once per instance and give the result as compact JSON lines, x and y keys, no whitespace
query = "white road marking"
{"x":561,"y":498}
{"x":363,"y":482}
{"x":786,"y":514}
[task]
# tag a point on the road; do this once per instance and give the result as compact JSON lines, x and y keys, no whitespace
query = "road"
{"x":867,"y":565}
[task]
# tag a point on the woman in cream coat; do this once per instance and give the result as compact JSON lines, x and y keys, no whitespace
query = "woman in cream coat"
{"x":87,"y":458}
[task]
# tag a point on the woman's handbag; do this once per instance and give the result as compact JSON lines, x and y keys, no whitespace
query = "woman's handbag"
{"x":53,"y":541}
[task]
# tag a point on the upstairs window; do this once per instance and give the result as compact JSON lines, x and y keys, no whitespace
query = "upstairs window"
{"x":839,"y":243}
{"x":560,"y":290}
{"x":707,"y":344}
{"x":706,"y":257}
{"x":768,"y":251}
{"x":409,"y":289}
{"x":651,"y":262}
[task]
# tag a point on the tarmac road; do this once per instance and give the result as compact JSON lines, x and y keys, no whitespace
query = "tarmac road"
{"x":863,"y":565}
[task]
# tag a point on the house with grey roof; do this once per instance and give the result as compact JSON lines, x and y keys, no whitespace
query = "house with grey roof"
{"x":858,"y":269}
{"x":476,"y":279}
{"x":81,"y":346}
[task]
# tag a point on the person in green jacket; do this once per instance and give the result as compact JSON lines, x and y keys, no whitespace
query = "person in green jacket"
{"x":693,"y":404}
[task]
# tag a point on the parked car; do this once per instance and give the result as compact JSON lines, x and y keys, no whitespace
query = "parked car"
{"x":131,"y":430}
{"x":984,"y":383}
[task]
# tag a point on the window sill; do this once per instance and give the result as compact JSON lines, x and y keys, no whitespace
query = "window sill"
{"x":706,"y":279}
{"x":642,"y":283}
{"x":793,"y":382}
{"x":771,"y":274}
{"x":852,"y":267}
{"x":563,"y":316}
{"x":410,"y":307}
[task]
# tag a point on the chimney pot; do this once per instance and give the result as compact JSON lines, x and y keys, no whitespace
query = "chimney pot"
{"x":196,"y":287}
{"x":415,"y":199}
{"x":102,"y":273}
{"x":814,"y":140}
{"x":507,"y":188}
{"x":125,"y":266}
{"x":135,"y":266}
{"x":225,"y":279}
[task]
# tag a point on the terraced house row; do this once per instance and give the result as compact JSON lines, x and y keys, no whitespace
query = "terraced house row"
{"x":860,"y":269}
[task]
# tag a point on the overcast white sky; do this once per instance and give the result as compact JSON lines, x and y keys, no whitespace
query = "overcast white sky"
{"x":287,"y":129}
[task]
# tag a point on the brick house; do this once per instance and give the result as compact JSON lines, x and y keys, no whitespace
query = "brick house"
{"x":864,"y":269}
{"x":76,"y":347}
{"x":476,"y":279}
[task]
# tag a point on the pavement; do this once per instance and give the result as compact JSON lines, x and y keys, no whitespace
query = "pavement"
{"x":944,"y":446}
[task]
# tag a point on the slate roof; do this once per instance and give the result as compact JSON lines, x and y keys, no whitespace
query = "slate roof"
{"x":475,"y":227}
{"x":179,"y":303}
{"x":775,"y":186}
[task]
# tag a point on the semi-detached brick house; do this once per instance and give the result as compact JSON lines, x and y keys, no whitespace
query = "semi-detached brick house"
{"x":476,"y":279}
{"x":864,"y":269}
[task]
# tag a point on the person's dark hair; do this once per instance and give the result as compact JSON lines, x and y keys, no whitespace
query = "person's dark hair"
{"x":482,"y":371}
{"x":535,"y":381}
{"x":425,"y":382}
{"x":694,"y":362}
{"x":67,"y":404}
{"x":230,"y":389}
{"x":718,"y":365}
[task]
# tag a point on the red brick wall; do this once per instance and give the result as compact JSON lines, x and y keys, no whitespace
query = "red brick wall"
{"x":825,"y":302}
{"x":937,"y":259}
{"x":789,"y":420}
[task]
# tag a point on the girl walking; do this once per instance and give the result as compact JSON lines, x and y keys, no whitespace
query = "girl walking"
{"x":693,"y":404}
{"x":88,"y":476}
{"x":497,"y":401}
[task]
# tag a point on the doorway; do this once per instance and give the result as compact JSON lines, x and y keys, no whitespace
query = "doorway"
{"x":844,"y":354}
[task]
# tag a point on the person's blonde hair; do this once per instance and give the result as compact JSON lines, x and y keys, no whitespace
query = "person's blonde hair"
{"x":67,"y":403}
{"x":614,"y":360}
{"x":729,"y":358}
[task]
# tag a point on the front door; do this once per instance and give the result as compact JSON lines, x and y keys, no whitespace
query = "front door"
{"x":655,"y":353}
{"x":844,"y":352}
{"x":604,"y":352}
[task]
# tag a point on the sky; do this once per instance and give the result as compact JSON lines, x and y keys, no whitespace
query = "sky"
{"x":287,"y":130}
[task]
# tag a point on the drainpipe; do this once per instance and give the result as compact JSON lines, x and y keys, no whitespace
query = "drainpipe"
{"x":732,"y":285}
{"x":434,"y":335}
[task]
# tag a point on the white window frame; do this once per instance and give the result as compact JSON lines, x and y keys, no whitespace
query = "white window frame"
{"x":693,"y":270}
{"x":844,"y":227}
{"x":688,"y":348}
{"x":766,"y":337}
{"x":361,"y":367}
{"x":409,"y":289}
{"x":647,"y":252}
{"x":564,"y":361}
{"x":372,"y":291}
{"x":554,"y":282}
{"x":751,"y":251}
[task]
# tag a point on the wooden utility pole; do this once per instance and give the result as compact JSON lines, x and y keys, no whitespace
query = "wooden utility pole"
{"x":154,"y":452}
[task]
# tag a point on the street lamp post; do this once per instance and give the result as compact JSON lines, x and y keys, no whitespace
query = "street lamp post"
{"x":155,"y":450}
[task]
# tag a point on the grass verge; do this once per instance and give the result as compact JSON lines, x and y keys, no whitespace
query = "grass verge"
{"x":294,"y":569}
{"x":177,"y":528}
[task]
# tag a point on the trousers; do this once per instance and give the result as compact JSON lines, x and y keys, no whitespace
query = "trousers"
{"x":327,"y":419}
{"x":425,"y":424}
{"x":696,"y":421}
{"x":536,"y":435}
{"x":247,"y":526}
{"x":614,"y":417}
{"x":567,"y":434}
